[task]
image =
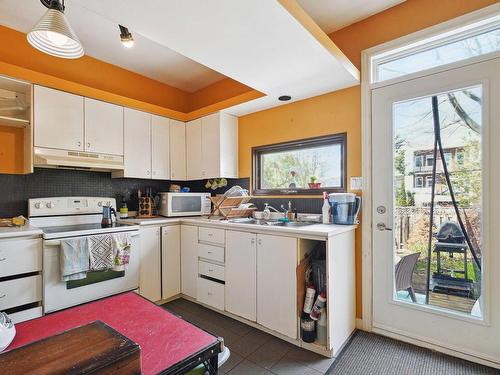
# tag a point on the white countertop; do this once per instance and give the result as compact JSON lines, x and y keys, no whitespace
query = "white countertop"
{"x":26,"y":230}
{"x":323,"y":231}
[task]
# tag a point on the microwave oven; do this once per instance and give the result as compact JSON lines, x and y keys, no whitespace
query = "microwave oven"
{"x":185,"y":204}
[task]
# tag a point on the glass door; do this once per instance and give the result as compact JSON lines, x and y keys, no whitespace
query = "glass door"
{"x":435,"y":143}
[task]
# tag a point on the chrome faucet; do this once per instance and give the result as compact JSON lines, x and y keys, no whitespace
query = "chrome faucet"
{"x":268,"y":208}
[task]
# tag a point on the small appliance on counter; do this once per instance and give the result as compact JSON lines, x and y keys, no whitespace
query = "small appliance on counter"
{"x":108,"y":216}
{"x":344,"y":208}
{"x":185,"y":204}
{"x":7,"y":331}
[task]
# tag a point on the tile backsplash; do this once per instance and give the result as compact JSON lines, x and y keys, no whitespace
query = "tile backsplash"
{"x":46,"y":182}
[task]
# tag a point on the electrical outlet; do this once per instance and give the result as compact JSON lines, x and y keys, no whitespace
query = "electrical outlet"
{"x":356,"y":183}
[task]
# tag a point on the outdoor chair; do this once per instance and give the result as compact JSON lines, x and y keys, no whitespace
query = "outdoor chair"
{"x":404,"y":273}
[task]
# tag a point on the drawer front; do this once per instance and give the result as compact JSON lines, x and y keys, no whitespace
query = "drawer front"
{"x":20,"y":291}
{"x":211,"y":252}
{"x":210,"y":293}
{"x":22,"y":316}
{"x":214,"y":271}
{"x":212,"y":235}
{"x":20,"y":256}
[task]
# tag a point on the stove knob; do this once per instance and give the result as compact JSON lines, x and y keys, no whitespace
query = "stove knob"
{"x":37,"y":205}
{"x":49,"y":205}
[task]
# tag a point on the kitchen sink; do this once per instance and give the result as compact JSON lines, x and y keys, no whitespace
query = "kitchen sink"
{"x":270,"y":222}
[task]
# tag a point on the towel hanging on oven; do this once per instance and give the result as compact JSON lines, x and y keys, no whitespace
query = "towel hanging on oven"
{"x":74,"y":259}
{"x":101,"y":252}
{"x":121,"y":244}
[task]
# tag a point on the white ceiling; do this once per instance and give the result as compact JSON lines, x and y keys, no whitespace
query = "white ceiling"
{"x":332,"y":15}
{"x":191,"y":44}
{"x":101,"y":39}
{"x":258,"y":43}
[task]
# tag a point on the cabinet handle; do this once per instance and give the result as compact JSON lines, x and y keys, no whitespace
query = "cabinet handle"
{"x":78,"y":143}
{"x":3,"y":296}
{"x":88,"y":144}
{"x":253,"y":241}
{"x":209,"y":252}
{"x":2,"y":259}
{"x":210,"y":270}
{"x":209,"y":293}
{"x":260,"y":242}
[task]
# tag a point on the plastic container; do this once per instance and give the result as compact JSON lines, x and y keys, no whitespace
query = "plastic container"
{"x":344,"y":208}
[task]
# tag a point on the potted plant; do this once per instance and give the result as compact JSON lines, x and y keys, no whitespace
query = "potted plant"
{"x":314,"y":184}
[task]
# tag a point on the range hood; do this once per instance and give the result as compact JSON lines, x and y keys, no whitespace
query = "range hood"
{"x":54,"y":158}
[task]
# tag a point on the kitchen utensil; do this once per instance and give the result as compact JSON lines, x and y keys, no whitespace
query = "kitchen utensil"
{"x":107,"y":216}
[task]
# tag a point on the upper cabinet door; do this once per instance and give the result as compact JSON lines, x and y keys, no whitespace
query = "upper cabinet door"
{"x":58,"y":119}
{"x":103,"y":127}
{"x":177,"y":150}
{"x":210,"y":146}
{"x":194,"y":150}
{"x":160,"y":147}
{"x":137,"y":144}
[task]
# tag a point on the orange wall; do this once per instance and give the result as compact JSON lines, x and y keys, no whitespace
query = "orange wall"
{"x":341,"y":111}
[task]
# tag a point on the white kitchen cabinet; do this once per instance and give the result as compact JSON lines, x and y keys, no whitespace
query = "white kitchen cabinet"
{"x":160,"y":147}
{"x":171,"y":261}
{"x":193,"y":150}
{"x":150,"y":270}
{"x":277,"y":284}
{"x":103,"y":127}
{"x":137,"y":144}
{"x":212,"y":147}
{"x":189,"y":260}
{"x":58,"y":119}
{"x":241,"y":274}
{"x":177,"y":150}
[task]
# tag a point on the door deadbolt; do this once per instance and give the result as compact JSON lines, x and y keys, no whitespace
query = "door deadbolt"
{"x":381,"y":210}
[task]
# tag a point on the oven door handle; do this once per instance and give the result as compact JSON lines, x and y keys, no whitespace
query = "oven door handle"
{"x":58,"y":242}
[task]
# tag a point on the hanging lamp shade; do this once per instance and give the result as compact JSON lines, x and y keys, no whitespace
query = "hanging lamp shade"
{"x":53,"y":35}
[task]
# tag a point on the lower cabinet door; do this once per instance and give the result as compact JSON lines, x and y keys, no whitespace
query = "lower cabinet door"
{"x":277,"y":284}
{"x":210,"y":293}
{"x":171,"y":261}
{"x":150,"y":270}
{"x":189,"y":260}
{"x":241,"y":274}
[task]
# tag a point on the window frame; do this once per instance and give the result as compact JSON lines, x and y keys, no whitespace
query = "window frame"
{"x":258,"y":151}
{"x":418,"y":178}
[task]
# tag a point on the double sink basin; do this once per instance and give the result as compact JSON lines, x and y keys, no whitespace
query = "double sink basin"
{"x":276,"y":223}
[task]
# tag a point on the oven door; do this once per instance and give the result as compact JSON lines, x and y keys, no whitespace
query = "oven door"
{"x":58,"y":294}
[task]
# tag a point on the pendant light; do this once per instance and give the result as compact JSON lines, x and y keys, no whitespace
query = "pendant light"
{"x":53,"y":34}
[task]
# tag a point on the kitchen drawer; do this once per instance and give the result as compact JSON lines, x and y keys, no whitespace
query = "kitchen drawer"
{"x":19,"y":256}
{"x":214,"y":271}
{"x":21,"y":291}
{"x":211,"y":252}
{"x":212,"y":235}
{"x":22,"y":316}
{"x":210,"y":293}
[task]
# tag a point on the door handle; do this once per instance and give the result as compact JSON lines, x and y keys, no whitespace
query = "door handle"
{"x":382,"y":227}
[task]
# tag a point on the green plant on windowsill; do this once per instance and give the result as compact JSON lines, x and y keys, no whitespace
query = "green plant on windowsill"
{"x":314,"y":184}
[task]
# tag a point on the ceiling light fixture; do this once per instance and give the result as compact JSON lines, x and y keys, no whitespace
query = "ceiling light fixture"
{"x":285,"y":98}
{"x":126,"y":37}
{"x":53,"y":34}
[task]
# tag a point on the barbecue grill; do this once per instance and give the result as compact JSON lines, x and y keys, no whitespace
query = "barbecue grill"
{"x":451,"y":241}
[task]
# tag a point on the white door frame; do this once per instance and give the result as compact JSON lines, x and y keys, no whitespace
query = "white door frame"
{"x":366,"y":145}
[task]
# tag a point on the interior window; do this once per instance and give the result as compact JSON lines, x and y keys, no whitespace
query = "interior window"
{"x":307,"y":166}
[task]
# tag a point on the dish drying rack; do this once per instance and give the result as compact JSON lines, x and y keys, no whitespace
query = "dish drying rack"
{"x":228,"y":207}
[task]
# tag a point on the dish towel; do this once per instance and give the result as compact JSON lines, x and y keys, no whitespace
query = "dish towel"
{"x":101,"y":252}
{"x":121,"y":250}
{"x":74,"y":259}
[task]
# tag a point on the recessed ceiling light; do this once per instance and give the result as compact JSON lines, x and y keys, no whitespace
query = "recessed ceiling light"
{"x":126,"y":37}
{"x":53,"y":34}
{"x":285,"y":98}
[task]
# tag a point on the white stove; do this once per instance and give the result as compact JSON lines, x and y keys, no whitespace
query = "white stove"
{"x":63,"y":218}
